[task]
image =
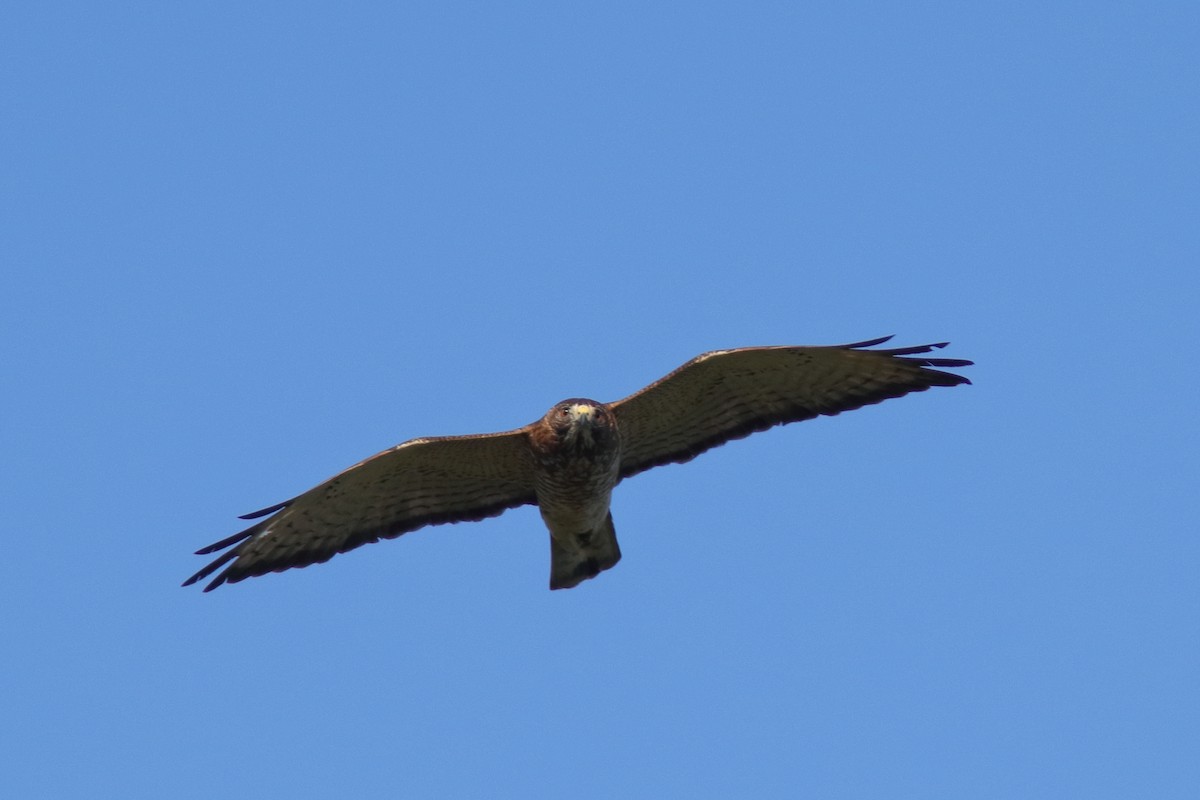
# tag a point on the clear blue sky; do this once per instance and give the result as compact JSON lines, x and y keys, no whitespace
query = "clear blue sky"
{"x":246,"y":245}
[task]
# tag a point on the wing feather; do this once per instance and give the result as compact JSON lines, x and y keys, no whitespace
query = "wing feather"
{"x":729,"y":394}
{"x":420,"y":482}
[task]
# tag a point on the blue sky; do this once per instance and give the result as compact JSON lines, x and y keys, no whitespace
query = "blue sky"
{"x":246,"y":245}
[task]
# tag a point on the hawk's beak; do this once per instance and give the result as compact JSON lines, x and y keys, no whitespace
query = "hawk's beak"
{"x":582,"y":414}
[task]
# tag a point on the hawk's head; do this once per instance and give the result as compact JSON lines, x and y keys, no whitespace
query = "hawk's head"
{"x":582,"y":425}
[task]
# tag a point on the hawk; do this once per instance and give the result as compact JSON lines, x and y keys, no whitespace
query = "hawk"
{"x":568,"y":462}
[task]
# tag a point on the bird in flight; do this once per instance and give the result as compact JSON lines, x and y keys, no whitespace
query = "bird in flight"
{"x":568,"y":462}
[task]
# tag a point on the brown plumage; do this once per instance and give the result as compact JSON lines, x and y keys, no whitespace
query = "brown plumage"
{"x":569,"y":461}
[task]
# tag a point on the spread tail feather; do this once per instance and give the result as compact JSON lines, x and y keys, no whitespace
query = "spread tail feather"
{"x":586,"y":556}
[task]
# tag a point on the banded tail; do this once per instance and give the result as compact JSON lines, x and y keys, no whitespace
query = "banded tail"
{"x":587,"y":556}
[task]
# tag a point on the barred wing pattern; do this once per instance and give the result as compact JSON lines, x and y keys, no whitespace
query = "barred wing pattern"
{"x":729,"y":394}
{"x":420,"y":482}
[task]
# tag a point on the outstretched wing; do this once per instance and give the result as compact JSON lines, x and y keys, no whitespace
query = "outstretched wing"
{"x":417,"y":483}
{"x":728,"y":394}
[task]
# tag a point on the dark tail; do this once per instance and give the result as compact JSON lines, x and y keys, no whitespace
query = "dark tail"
{"x":587,"y":556}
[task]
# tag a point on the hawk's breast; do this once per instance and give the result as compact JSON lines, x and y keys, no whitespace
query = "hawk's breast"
{"x":574,"y":495}
{"x":577,"y":452}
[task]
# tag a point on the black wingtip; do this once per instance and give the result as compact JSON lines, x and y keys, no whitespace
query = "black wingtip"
{"x":227,"y":542}
{"x":868,"y":343}
{"x":218,"y":562}
{"x":269,"y":510}
{"x":913,"y":350}
{"x":936,"y":378}
{"x":196,"y":579}
{"x":960,"y":380}
{"x":221,"y":545}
